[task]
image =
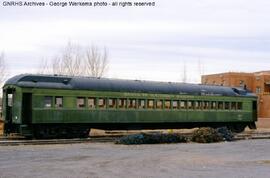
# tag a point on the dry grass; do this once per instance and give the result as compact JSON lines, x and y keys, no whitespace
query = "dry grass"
{"x":206,"y":135}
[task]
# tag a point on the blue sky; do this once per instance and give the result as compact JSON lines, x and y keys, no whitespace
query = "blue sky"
{"x":149,"y":43}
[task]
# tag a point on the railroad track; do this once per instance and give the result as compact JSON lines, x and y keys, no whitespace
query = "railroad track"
{"x":253,"y":135}
{"x":13,"y":141}
{"x":16,"y":142}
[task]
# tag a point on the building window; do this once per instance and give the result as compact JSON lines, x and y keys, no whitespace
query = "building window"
{"x":59,"y":101}
{"x":224,"y":83}
{"x":91,"y":102}
{"x":159,"y":104}
{"x":80,"y":102}
{"x":242,"y":83}
{"x":258,"y":90}
{"x":48,"y":101}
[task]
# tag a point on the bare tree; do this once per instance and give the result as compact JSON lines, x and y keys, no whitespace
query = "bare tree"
{"x":97,"y":62}
{"x":3,"y":69}
{"x":184,"y":74}
{"x":70,"y":62}
{"x":44,"y":67}
{"x":75,"y":60}
{"x":200,"y":67}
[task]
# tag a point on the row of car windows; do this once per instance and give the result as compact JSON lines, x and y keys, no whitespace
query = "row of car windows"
{"x":132,"y":103}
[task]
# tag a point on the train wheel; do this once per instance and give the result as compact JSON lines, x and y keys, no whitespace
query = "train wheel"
{"x":45,"y":132}
{"x":84,"y":133}
{"x":237,"y":128}
{"x":38,"y":132}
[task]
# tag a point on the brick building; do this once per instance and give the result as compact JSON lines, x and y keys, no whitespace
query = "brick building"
{"x":257,"y":82}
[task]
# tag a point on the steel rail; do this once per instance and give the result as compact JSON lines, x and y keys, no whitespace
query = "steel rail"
{"x":5,"y":141}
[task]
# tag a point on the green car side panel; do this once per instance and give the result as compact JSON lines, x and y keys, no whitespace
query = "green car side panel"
{"x":71,"y":114}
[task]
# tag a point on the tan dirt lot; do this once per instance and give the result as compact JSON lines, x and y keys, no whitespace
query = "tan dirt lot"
{"x":263,"y":123}
{"x":1,"y":127}
{"x":245,"y":159}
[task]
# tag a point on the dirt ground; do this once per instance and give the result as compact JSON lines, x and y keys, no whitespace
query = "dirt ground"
{"x":1,"y":126}
{"x":263,"y":123}
{"x":246,"y":158}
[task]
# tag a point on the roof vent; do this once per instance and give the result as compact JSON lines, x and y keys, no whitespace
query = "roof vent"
{"x":65,"y":81}
{"x":236,"y":90}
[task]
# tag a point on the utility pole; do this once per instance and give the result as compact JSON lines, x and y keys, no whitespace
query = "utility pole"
{"x":184,"y":74}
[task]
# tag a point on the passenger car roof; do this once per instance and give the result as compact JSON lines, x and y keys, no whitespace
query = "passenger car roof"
{"x":120,"y":85}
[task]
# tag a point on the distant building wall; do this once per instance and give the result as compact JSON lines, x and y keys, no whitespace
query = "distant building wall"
{"x":258,"y":82}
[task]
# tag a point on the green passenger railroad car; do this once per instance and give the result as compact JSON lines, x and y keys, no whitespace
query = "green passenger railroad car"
{"x":46,"y":106}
